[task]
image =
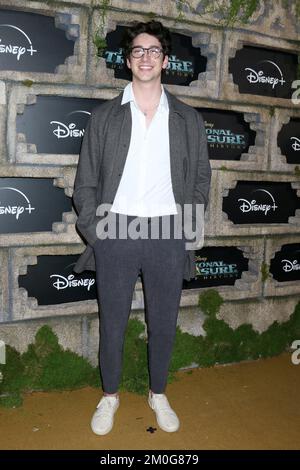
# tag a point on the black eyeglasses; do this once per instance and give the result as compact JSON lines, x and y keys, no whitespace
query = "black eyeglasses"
{"x":138,"y":52}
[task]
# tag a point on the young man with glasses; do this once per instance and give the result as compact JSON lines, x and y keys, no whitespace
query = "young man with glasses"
{"x":144,"y":152}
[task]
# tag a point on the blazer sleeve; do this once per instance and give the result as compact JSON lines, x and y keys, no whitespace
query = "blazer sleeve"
{"x":86,"y":182}
{"x":202,"y":182}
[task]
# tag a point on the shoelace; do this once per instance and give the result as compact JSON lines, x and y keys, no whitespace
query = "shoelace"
{"x":163,"y":403}
{"x":106,"y":403}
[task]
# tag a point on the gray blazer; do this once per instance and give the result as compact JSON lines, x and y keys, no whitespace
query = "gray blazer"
{"x":102,"y":158}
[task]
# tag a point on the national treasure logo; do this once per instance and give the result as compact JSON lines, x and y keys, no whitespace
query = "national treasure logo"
{"x":224,"y":138}
{"x":217,"y":266}
{"x":217,"y":269}
{"x":228,"y":134}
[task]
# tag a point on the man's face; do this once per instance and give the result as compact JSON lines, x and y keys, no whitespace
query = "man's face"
{"x":146,"y":68}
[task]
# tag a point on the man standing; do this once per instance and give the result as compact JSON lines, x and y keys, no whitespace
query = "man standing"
{"x":144,"y":152}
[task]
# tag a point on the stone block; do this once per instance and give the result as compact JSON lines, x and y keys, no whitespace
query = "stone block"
{"x":74,"y":21}
{"x":235,"y":40}
{"x":24,"y":307}
{"x":272,"y":287}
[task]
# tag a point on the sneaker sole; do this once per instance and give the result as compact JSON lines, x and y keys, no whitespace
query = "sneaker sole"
{"x":102,"y":433}
{"x":161,"y":425}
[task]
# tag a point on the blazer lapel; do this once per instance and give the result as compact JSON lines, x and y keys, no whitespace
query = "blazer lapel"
{"x":120,"y":133}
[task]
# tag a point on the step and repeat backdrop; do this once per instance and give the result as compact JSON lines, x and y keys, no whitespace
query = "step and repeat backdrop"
{"x":51,"y":78}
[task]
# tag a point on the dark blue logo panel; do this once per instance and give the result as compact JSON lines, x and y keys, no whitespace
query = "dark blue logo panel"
{"x":228,"y":135}
{"x":253,"y":202}
{"x":185,"y":60}
{"x":61,"y":123}
{"x":31,"y":204}
{"x":217,"y":266}
{"x":31,"y":43}
{"x":262,"y":71}
{"x":52,"y":281}
{"x":289,"y":141}
{"x":285,"y":266}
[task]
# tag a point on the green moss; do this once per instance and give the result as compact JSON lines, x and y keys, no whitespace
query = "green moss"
{"x":210,"y":302}
{"x":265,"y":273}
{"x":184,"y":352}
{"x":12,"y":372}
{"x":150,"y":16}
{"x":271,"y":111}
{"x":27,"y":83}
{"x":46,"y":366}
{"x":72,"y":372}
{"x":52,"y":3}
{"x":181,"y":5}
{"x":297,"y":170}
{"x":222,"y":344}
{"x":11,"y":400}
{"x":135,"y":369}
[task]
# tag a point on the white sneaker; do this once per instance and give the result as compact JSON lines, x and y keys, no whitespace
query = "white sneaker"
{"x":103,"y":418}
{"x":166,"y":418}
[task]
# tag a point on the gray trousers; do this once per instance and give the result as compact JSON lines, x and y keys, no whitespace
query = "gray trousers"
{"x":118,"y":264}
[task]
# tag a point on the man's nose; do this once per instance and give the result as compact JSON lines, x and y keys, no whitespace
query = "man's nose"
{"x":146,"y":56}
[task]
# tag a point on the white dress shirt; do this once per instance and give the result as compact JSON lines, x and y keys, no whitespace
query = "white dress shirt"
{"x":145,"y":189}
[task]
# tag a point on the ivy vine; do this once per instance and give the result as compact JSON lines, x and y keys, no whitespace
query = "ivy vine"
{"x":265,"y":272}
{"x":99,"y":38}
{"x":231,"y":12}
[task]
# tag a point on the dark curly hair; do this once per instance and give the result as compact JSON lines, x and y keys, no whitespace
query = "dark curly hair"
{"x":154,"y":28}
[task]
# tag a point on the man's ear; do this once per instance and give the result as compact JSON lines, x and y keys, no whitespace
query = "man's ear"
{"x":165,"y":62}
{"x":128,"y":63}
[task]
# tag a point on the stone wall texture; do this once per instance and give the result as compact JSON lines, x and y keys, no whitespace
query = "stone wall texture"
{"x":252,"y":299}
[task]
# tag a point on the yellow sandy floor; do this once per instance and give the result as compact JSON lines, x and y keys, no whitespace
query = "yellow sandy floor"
{"x":251,"y":405}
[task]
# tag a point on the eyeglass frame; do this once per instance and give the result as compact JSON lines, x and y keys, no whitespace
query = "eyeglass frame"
{"x":146,"y":49}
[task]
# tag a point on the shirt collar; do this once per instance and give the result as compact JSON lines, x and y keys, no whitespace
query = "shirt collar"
{"x":128,"y":96}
